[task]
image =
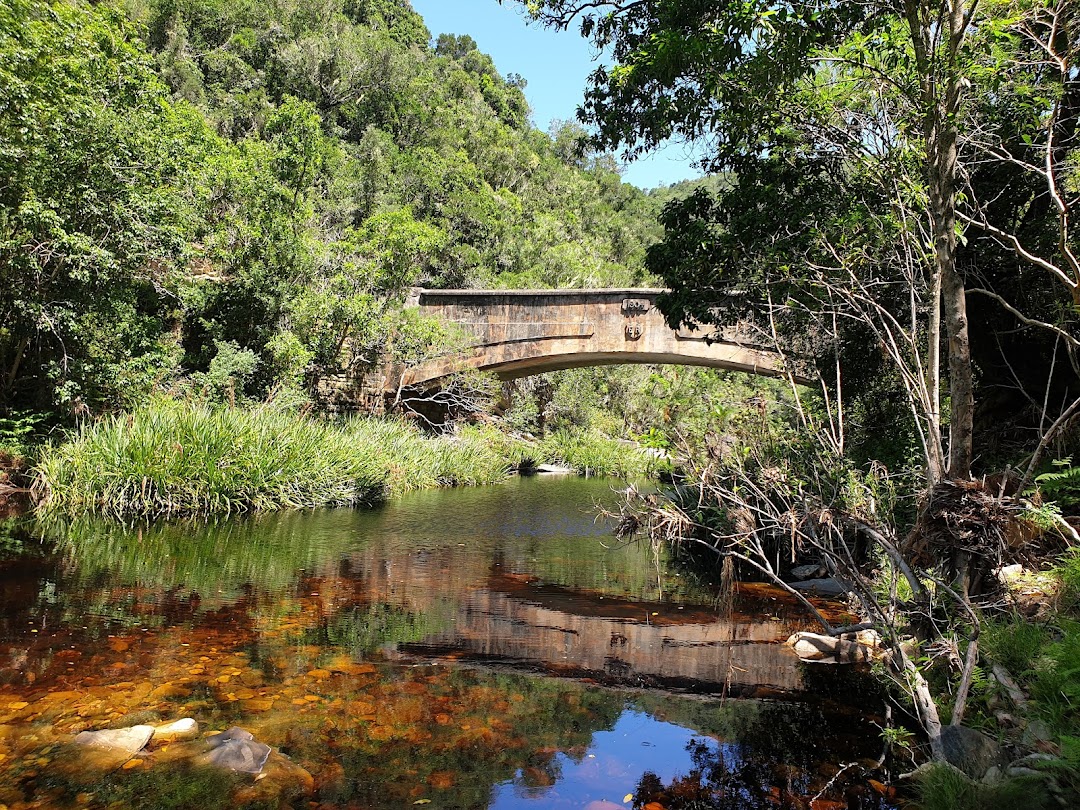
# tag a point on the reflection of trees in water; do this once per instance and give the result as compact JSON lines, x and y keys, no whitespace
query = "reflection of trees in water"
{"x":540,"y":771}
{"x":618,"y":568}
{"x":721,"y":781}
{"x":364,"y":628}
{"x":215,"y":556}
{"x":13,"y":534}
{"x":771,"y":754}
{"x":543,"y":721}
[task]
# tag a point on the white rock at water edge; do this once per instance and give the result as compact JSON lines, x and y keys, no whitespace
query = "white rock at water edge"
{"x":852,"y":648}
{"x":186,"y":729}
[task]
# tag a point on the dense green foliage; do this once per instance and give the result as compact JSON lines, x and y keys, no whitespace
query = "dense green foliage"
{"x":878,"y":168}
{"x":1044,"y":659}
{"x":176,"y":458}
{"x":898,"y":215}
{"x":235,"y":197}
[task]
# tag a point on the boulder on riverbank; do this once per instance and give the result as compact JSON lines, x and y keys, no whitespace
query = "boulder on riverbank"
{"x":850,"y":648}
{"x":803,"y":572}
{"x":970,"y":751}
{"x":553,"y":469}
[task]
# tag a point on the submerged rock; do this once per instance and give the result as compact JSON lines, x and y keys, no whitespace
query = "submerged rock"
{"x":105,"y":750}
{"x":281,"y":784}
{"x":234,"y":733}
{"x":241,"y":756}
{"x":122,"y":740}
{"x":236,"y":750}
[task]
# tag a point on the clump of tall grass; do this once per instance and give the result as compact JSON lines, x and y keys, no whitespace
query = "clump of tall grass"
{"x":1068,"y":572}
{"x":941,"y":787}
{"x":172,"y":458}
{"x":592,"y":453}
{"x":1014,"y":643}
{"x":469,"y":456}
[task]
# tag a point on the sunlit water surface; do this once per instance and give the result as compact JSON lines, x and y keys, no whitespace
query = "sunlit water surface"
{"x":471,"y":648}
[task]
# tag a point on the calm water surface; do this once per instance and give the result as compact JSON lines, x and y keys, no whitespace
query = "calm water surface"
{"x":472,"y":648}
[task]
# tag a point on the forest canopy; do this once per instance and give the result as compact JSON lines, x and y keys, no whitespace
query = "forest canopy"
{"x":220,"y":196}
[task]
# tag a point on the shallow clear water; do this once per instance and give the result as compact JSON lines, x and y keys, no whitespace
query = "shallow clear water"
{"x":472,"y":648}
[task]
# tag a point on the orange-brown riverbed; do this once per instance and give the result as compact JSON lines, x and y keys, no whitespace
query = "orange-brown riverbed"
{"x":486,"y":648}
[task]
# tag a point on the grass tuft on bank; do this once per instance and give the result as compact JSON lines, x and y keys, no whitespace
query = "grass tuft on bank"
{"x":590,"y":452}
{"x":173,"y":458}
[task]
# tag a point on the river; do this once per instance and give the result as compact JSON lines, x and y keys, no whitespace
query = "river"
{"x":492,"y":647}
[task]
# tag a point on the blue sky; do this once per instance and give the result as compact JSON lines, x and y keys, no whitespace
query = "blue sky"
{"x":555,"y":64}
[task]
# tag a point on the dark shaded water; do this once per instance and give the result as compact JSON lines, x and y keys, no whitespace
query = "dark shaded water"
{"x":480,"y":648}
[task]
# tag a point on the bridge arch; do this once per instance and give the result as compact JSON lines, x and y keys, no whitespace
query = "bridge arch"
{"x":518,"y":333}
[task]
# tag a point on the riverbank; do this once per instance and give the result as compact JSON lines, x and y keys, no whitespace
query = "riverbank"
{"x":173,"y":458}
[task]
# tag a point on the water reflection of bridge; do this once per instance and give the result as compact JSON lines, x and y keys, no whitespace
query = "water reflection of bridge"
{"x":514,"y":620}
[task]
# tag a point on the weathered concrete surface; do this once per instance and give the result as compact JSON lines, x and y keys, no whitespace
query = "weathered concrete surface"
{"x":516,"y":333}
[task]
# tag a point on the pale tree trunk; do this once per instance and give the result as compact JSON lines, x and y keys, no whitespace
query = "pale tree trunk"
{"x":935,"y":458}
{"x":941,"y":84}
{"x":961,"y":379}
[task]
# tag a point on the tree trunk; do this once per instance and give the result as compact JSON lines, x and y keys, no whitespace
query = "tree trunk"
{"x":934,"y":457}
{"x":941,"y":95}
{"x":13,"y":372}
{"x":961,"y":376}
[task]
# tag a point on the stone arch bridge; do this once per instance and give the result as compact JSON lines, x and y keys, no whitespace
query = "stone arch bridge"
{"x":517,"y":333}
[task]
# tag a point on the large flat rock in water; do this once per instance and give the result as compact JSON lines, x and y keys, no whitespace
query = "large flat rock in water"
{"x":110,"y":748}
{"x":129,"y":740}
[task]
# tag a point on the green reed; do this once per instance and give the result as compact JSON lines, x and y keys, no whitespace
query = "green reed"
{"x":592,"y":453}
{"x":180,"y":458}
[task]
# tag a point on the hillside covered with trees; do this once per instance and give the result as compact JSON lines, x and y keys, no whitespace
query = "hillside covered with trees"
{"x":219,"y":196}
{"x":207,"y":207}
